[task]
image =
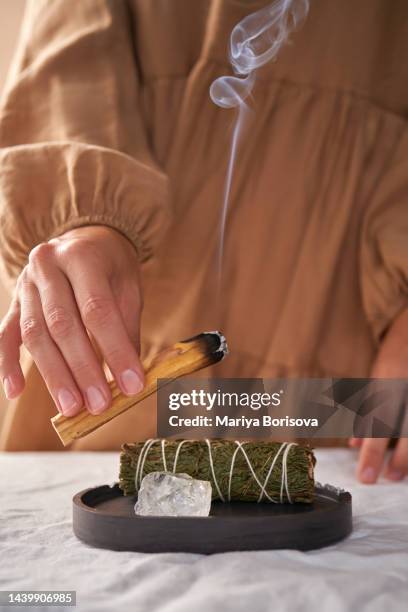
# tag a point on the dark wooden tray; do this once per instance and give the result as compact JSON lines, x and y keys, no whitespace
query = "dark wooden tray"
{"x":105,"y":518}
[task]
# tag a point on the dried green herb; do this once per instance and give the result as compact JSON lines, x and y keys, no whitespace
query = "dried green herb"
{"x":194,"y":459}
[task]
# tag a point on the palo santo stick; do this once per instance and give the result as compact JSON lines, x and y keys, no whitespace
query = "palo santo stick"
{"x":182,"y":358}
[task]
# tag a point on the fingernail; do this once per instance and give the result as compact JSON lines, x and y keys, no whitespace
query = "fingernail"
{"x":395,"y":475}
{"x":368,"y":475}
{"x":67,"y":403}
{"x":131,"y":382}
{"x":8,"y":387}
{"x":96,"y":400}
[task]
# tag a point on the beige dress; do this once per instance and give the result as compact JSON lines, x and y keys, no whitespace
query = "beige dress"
{"x":107,"y":119}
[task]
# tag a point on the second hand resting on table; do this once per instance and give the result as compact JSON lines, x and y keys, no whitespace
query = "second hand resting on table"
{"x":87,"y":280}
{"x":391,"y":362}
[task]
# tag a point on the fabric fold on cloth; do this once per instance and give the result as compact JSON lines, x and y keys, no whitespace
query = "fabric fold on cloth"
{"x":365,"y":572}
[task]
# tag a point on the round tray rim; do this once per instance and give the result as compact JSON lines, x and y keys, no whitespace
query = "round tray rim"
{"x":239,"y":527}
{"x":338,"y":495}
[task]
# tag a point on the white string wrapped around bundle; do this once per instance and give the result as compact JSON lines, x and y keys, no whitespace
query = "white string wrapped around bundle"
{"x":284,"y":450}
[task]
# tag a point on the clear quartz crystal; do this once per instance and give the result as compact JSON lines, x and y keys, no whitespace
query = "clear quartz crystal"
{"x":167,"y":494}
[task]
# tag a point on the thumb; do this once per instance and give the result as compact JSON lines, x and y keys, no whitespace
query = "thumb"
{"x":11,"y":373}
{"x":130,"y":303}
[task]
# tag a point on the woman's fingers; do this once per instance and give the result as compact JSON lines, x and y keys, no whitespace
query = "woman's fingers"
{"x":10,"y":341}
{"x":37,"y":339}
{"x":101,"y":316}
{"x":79,"y":298}
{"x":67,"y":331}
{"x":397,"y":467}
{"x":371,"y":459}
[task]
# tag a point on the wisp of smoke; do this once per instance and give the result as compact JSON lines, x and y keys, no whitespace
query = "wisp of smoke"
{"x":254,"y":41}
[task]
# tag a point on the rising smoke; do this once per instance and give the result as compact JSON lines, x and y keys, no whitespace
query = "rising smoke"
{"x":254,"y":41}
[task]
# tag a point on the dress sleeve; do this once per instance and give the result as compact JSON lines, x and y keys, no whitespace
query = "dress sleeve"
{"x":73,"y":143}
{"x":385,"y":242}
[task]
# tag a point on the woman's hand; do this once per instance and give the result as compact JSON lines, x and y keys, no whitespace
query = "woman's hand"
{"x":83,"y":284}
{"x":391,"y":362}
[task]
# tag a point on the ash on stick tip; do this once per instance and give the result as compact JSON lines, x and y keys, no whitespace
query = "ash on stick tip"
{"x":212,"y":343}
{"x":223,"y":347}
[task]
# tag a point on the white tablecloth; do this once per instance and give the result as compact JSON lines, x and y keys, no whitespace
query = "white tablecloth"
{"x":366,"y":572}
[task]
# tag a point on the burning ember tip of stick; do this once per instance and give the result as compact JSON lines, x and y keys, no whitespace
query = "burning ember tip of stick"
{"x":213,"y":342}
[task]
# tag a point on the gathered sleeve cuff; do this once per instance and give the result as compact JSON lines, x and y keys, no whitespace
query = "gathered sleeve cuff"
{"x":49,"y":188}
